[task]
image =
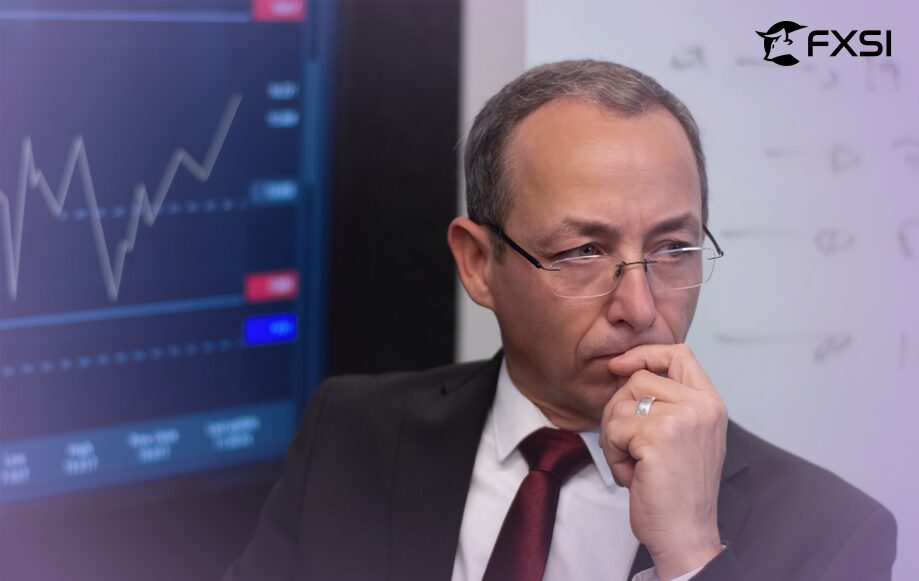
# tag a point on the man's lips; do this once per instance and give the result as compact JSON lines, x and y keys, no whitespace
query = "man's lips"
{"x":610,"y":354}
{"x":607,"y":355}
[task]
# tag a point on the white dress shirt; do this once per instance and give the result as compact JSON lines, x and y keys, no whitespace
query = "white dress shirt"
{"x":592,"y":539}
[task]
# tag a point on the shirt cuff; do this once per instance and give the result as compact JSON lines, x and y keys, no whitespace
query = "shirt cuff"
{"x":651,"y":575}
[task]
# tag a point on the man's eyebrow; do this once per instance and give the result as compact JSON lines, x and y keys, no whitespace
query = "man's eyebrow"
{"x":685,"y":221}
{"x":597,"y":229}
{"x":591,"y":228}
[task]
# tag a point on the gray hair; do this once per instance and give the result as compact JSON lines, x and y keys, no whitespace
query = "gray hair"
{"x":612,"y":86}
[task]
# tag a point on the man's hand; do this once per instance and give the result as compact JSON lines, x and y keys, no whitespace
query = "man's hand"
{"x":671,"y":459}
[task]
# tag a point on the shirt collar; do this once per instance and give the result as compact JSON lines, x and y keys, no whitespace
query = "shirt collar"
{"x":515,"y":417}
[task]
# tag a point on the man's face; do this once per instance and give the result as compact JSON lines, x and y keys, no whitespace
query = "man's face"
{"x":582,"y":174}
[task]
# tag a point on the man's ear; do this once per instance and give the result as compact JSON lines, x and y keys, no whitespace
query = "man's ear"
{"x":470,"y":244}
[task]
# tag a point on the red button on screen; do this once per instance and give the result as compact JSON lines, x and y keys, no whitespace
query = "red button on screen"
{"x":280,"y":285}
{"x":278,"y":10}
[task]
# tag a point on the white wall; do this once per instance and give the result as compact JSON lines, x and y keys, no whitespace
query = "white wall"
{"x":809,"y":327}
{"x":493,"y":54}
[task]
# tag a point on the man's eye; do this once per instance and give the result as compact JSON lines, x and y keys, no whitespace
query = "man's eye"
{"x":675,"y":245}
{"x":588,"y":249}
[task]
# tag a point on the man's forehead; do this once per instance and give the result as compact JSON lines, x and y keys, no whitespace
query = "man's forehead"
{"x":573,"y":163}
{"x":571,"y":121}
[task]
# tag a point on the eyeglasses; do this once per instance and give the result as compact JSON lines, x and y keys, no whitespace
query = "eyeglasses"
{"x":675,"y":267}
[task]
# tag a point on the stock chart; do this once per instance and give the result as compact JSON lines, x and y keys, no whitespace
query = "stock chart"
{"x":162,"y":193}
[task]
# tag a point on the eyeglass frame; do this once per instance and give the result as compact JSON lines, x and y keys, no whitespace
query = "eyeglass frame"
{"x":619,"y":266}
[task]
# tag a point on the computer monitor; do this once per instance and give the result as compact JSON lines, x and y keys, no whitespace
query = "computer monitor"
{"x":163,"y":198}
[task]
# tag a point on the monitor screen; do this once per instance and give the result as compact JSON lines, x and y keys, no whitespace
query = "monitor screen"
{"x":163,"y":187}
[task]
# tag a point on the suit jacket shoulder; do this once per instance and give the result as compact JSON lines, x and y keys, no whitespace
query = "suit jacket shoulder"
{"x":791,"y":519}
{"x":375,"y":479}
{"x":386,"y":395}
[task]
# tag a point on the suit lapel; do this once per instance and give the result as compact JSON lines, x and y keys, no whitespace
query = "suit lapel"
{"x":733,"y":504}
{"x":432,"y":470}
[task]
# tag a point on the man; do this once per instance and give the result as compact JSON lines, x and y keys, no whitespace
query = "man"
{"x":594,"y":445}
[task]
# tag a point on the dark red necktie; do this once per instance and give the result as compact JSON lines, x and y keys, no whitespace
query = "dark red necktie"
{"x":522,"y":547}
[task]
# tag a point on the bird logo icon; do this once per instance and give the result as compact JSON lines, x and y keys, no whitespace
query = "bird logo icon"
{"x":776,"y":42}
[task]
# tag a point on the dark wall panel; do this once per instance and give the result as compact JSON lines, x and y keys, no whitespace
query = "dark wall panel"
{"x":391,"y":295}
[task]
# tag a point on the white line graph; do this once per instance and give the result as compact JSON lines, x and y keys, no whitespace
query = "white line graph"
{"x":31,"y":177}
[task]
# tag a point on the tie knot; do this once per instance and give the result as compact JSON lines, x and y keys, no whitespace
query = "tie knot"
{"x":559,"y":452}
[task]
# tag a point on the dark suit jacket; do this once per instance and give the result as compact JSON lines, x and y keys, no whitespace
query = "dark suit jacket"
{"x":376,"y":479}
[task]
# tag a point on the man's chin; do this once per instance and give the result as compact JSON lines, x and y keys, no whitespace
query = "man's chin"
{"x":611,"y":385}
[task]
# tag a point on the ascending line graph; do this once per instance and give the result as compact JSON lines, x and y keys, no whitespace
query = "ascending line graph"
{"x":143,"y":207}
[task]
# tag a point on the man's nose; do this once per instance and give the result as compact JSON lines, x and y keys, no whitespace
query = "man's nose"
{"x":632,"y":302}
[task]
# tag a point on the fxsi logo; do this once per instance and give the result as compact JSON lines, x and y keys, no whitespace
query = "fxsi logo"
{"x":777,"y":42}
